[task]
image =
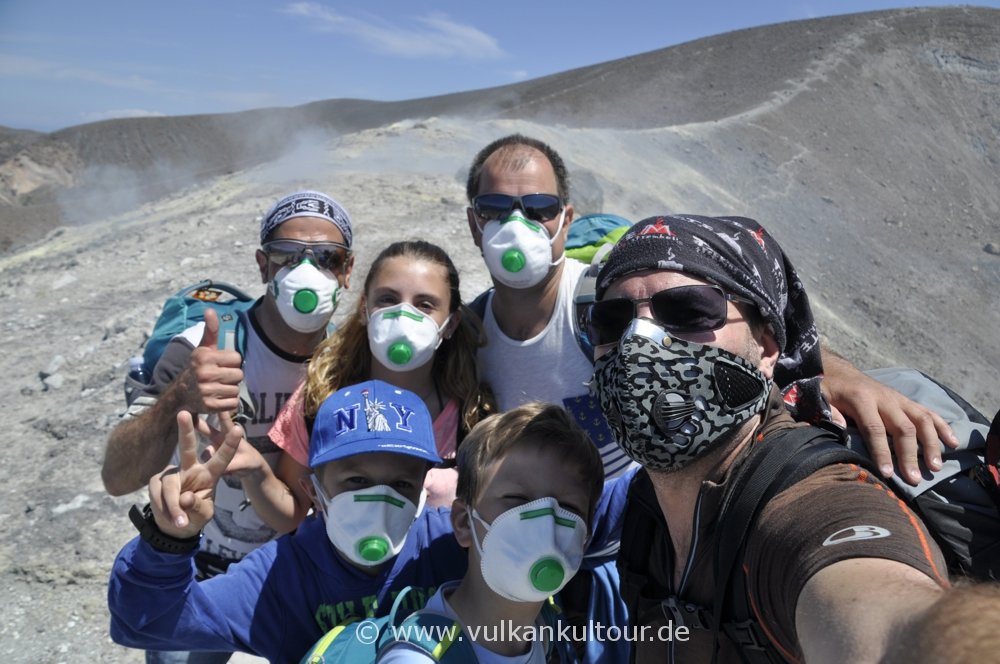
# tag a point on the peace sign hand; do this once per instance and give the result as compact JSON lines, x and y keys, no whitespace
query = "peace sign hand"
{"x":182,"y":498}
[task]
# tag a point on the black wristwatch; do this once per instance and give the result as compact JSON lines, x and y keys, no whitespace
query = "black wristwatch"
{"x":145,"y":523}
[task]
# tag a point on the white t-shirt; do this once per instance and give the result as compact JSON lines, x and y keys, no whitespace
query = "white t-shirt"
{"x":405,"y":653}
{"x":549,"y":367}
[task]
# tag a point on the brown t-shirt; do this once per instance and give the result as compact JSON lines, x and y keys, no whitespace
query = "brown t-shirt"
{"x":837,"y":513}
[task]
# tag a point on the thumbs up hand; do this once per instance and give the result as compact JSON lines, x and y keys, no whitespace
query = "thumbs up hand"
{"x":211,"y":381}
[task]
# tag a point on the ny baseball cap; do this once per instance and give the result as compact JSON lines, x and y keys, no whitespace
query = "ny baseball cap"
{"x":373,"y":416}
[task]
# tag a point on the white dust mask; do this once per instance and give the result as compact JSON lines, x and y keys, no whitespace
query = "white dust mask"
{"x":306,"y":297}
{"x":530,"y":552}
{"x":368,"y":526}
{"x":518,"y":251}
{"x":402,"y":338}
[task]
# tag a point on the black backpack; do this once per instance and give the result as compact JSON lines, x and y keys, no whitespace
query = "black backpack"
{"x":960,"y":509}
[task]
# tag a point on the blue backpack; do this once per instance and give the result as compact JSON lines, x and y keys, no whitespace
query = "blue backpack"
{"x":360,"y":642}
{"x":183,"y":310}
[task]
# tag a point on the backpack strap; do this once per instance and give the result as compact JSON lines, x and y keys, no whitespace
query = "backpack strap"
{"x":434,"y":634}
{"x":478,"y":305}
{"x":233,"y":336}
{"x":787,"y":457}
{"x":987,"y":475}
{"x":232,"y":331}
{"x":639,"y":528}
{"x":648,"y":602}
{"x":992,"y":454}
{"x":317,"y":652}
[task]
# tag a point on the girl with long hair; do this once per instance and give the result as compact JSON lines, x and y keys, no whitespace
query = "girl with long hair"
{"x":411,"y":330}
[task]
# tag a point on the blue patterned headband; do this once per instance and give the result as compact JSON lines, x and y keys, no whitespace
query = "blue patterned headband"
{"x":307,"y":204}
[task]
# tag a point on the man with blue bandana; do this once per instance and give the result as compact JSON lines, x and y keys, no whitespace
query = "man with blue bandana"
{"x":305,"y":259}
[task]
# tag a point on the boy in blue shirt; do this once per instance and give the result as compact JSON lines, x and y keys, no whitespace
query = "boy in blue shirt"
{"x":529,"y":482}
{"x":372,"y":446}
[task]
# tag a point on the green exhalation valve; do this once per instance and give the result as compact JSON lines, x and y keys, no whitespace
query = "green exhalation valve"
{"x":547,"y":575}
{"x":513,"y":260}
{"x":373,"y":549}
{"x":400,"y":353}
{"x":305,"y":301}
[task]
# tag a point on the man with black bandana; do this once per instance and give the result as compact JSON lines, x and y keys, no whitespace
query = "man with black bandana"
{"x":520,"y":210}
{"x":305,"y":259}
{"x":696,"y":319}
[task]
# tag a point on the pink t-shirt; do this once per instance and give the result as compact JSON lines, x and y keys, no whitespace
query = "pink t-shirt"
{"x":289,"y":433}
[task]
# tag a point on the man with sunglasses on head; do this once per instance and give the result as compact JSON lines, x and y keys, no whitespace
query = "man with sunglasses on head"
{"x":696,"y":320}
{"x":519,"y":215}
{"x":305,"y":259}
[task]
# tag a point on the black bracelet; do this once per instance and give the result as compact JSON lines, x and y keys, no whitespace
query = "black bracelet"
{"x":145,"y":523}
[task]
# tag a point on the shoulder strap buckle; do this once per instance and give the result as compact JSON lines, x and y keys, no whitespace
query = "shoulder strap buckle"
{"x":752,"y":642}
{"x":686,"y":614}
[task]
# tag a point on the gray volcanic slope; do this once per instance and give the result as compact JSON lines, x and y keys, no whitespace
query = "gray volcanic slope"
{"x":868,"y":144}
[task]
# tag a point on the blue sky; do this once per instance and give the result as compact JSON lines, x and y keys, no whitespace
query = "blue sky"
{"x":67,"y":62}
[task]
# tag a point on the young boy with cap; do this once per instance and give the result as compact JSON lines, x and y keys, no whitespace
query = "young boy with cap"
{"x":529,"y":482}
{"x":372,"y":446}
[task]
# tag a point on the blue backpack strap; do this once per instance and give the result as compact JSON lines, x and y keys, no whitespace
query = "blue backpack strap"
{"x":236,"y":326}
{"x":438,"y":636}
{"x":435,"y":634}
{"x":341,"y":644}
{"x":316,"y":654}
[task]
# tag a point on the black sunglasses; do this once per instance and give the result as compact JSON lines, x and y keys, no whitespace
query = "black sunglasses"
{"x":329,"y":256}
{"x":681,"y":310}
{"x":537,"y":207}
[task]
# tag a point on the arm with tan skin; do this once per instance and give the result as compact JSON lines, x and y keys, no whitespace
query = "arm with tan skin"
{"x":277,"y":496}
{"x":881,"y":412}
{"x":877,"y":610}
{"x":851,"y":610}
{"x":959,"y":627}
{"x":141,"y":446}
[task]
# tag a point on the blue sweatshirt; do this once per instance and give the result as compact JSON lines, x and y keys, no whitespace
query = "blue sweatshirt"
{"x":282,"y":597}
{"x":277,"y":601}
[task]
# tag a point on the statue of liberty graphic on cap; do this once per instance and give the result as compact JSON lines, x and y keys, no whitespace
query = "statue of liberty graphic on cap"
{"x":373,"y":414}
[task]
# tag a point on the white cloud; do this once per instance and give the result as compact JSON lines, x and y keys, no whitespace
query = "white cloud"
{"x":517,"y":75}
{"x":14,"y":66}
{"x":435,"y":35}
{"x":120,"y":113}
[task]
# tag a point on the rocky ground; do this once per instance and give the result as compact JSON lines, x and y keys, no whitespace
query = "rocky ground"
{"x":875,"y":166}
{"x":76,"y":305}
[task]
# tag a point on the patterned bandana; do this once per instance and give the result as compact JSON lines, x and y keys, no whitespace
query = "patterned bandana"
{"x":307,"y":204}
{"x":740,"y":256}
